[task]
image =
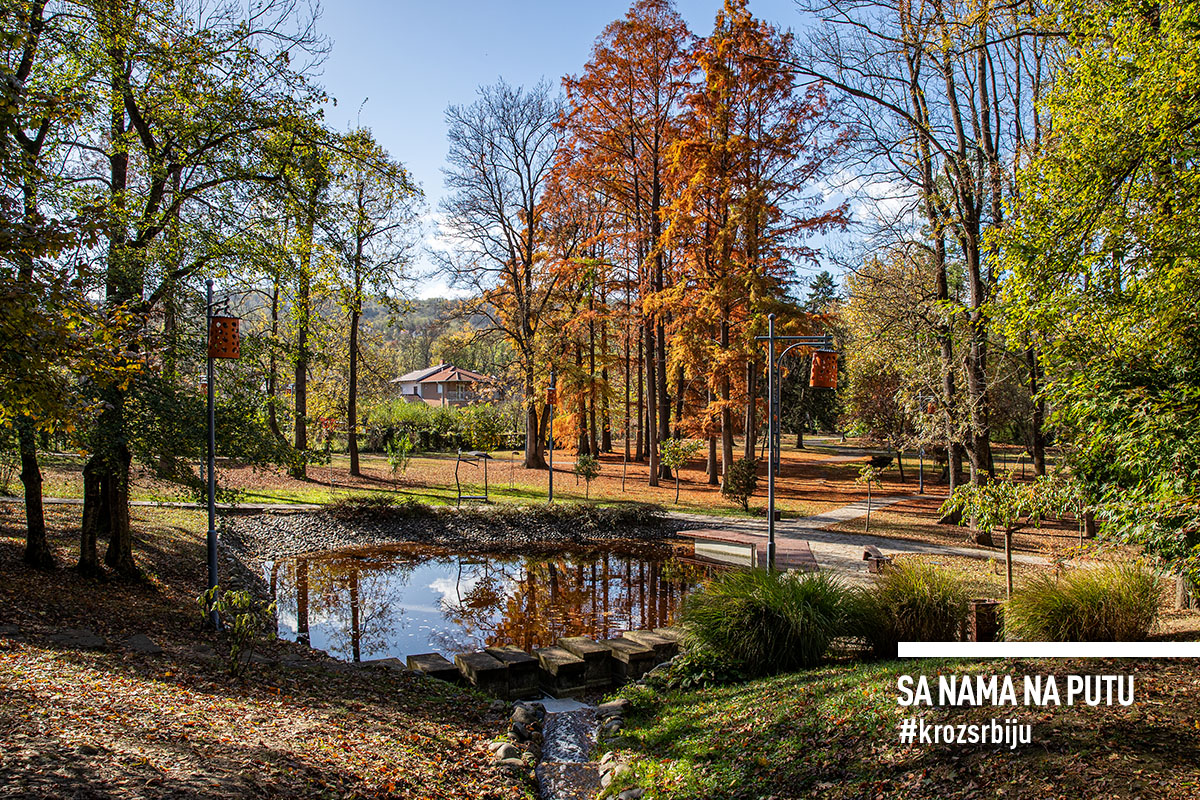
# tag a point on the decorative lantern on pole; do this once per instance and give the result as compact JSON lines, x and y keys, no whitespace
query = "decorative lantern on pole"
{"x":824,"y":370}
{"x":824,"y":375}
{"x":223,"y":342}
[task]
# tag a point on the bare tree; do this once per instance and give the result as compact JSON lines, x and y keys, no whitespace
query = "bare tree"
{"x":502,"y":150}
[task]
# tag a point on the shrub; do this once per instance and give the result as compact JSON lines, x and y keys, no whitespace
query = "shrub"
{"x":399,"y":452}
{"x":693,"y":669}
{"x":760,"y":622}
{"x":1116,"y":602}
{"x":246,"y":620}
{"x":910,"y":602}
{"x":741,"y":479}
{"x":587,"y":467}
{"x":376,"y":506}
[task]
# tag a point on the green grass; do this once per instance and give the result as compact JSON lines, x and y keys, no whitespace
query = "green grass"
{"x":831,"y":732}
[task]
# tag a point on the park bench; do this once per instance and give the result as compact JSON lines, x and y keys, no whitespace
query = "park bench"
{"x":876,"y":560}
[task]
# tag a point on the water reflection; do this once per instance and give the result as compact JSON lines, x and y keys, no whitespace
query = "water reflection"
{"x":403,"y":600}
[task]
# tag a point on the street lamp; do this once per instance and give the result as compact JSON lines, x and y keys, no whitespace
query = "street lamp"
{"x":552,"y":400}
{"x":927,"y":402}
{"x":223,"y":342}
{"x":823,"y":375}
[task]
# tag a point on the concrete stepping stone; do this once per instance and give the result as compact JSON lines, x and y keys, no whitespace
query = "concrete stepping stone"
{"x":522,"y":670}
{"x":485,"y":673}
{"x":597,"y":670}
{"x":9,"y":631}
{"x":141,"y":643}
{"x":663,"y":647}
{"x":630,"y":659}
{"x":562,"y":671}
{"x":434,"y":665}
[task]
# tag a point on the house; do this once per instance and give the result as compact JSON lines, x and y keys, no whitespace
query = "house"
{"x":445,"y":385}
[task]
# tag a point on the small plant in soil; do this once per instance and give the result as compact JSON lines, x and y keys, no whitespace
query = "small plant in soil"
{"x":587,"y":467}
{"x":741,"y":479}
{"x":677,"y":452}
{"x":867,"y":475}
{"x":246,"y":623}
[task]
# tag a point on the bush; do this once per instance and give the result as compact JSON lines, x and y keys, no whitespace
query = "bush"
{"x":741,"y":479}
{"x":245,"y":619}
{"x":1113,"y":603}
{"x":910,"y":602}
{"x":587,"y":467}
{"x":760,"y":622}
{"x":693,"y":669}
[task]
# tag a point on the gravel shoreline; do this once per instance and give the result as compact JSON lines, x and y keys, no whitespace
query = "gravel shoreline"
{"x":261,"y":538}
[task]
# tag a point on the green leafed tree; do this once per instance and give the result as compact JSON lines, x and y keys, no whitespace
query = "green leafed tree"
{"x":1104,"y":253}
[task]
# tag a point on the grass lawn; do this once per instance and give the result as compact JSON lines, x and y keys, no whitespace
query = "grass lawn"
{"x":831,"y":733}
{"x":115,"y":723}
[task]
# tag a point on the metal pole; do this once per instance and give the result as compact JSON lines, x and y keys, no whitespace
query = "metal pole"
{"x":553,"y":378}
{"x":771,"y":442}
{"x":212,"y":460}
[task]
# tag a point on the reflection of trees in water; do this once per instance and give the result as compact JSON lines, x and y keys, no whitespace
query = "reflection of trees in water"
{"x":354,"y":592}
{"x":530,"y":603}
{"x":596,"y":596}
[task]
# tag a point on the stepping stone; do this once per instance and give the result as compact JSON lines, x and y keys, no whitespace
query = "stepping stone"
{"x":141,"y":643}
{"x":485,"y":673}
{"x":674,"y":634}
{"x":562,"y":671}
{"x":630,"y":659}
{"x":9,"y":630}
{"x":434,"y":665}
{"x":597,"y":672}
{"x":78,"y":638}
{"x":522,"y":669}
{"x":663,"y":647}
{"x":390,"y":664}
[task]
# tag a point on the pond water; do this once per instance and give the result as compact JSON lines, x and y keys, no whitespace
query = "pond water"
{"x":404,"y":600}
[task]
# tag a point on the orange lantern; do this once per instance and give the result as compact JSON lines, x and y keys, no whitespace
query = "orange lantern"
{"x":824,"y":370}
{"x":223,"y":339}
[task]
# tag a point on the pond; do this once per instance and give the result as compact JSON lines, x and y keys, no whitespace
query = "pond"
{"x":404,"y":600}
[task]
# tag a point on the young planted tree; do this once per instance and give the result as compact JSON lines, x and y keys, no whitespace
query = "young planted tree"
{"x":676,"y":453}
{"x":997,"y":504}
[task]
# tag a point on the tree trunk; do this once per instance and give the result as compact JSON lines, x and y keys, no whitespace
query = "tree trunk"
{"x":37,"y":548}
{"x":534,"y":434}
{"x":664,"y":398}
{"x":640,"y":453}
{"x":1037,"y":434}
{"x":352,"y":397}
{"x":300,"y":377}
{"x":726,"y":414}
{"x":273,"y":368}
{"x":95,"y":517}
{"x":751,"y":409}
{"x":119,"y":555}
{"x":651,"y":403}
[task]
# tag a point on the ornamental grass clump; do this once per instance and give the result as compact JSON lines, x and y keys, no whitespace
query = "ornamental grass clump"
{"x":760,"y":623}
{"x":1111,"y":603}
{"x":910,"y":602}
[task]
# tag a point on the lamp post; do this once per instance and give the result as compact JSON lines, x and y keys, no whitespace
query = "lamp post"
{"x":823,"y":374}
{"x":926,"y":402}
{"x":223,"y":342}
{"x":551,"y":400}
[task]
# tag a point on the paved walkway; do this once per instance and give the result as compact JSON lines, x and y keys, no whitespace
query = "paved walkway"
{"x":842,"y":551}
{"x":246,"y":507}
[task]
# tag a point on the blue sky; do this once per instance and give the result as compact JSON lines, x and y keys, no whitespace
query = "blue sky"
{"x":409,"y":60}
